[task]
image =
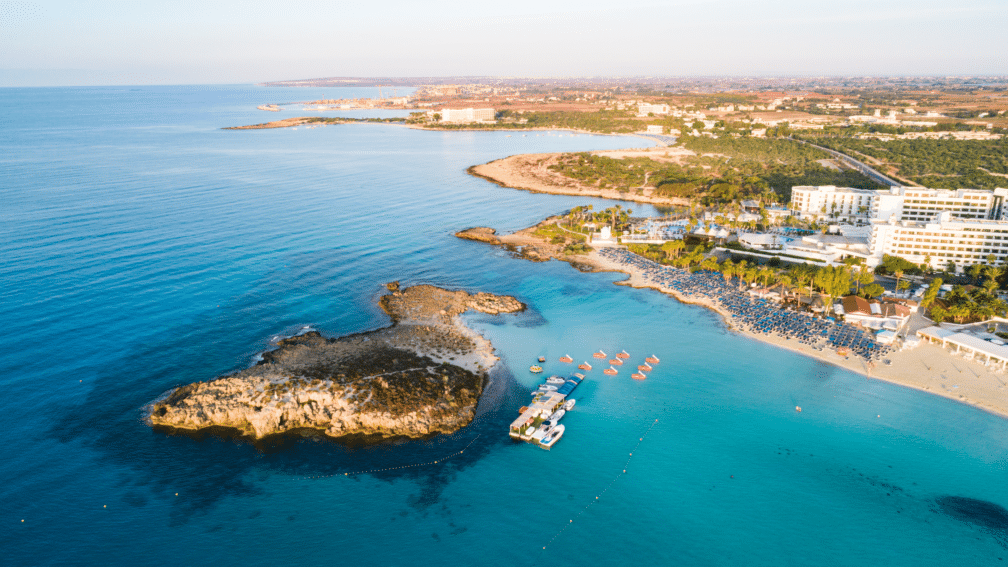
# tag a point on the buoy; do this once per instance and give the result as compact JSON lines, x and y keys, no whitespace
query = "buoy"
{"x":176,"y":494}
{"x":797,"y":409}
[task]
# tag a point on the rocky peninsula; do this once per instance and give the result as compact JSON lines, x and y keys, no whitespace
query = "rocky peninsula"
{"x":419,"y":377}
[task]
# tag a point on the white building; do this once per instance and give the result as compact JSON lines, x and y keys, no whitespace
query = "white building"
{"x":942,"y":239}
{"x":643,"y":109}
{"x":466,"y":115}
{"x":921,"y":204}
{"x":655,"y":129}
{"x":830,"y":201}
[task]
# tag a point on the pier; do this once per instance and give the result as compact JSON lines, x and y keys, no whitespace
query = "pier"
{"x":544,"y":405}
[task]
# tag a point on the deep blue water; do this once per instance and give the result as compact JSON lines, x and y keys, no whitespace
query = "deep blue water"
{"x":144,"y":248}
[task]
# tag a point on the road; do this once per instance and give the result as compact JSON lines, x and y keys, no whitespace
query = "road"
{"x":856,"y":165}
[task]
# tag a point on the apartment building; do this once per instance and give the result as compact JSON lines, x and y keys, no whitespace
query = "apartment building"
{"x":828,"y":201}
{"x":942,"y":239}
{"x":921,"y":204}
{"x":644,"y":108}
{"x":466,"y":115}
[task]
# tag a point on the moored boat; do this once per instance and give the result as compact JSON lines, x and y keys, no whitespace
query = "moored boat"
{"x":616,"y":361}
{"x":623,"y":354}
{"x":552,"y":437}
{"x":652,"y":359}
{"x":645,"y":368}
{"x":610,"y":371}
{"x":569,"y":404}
{"x":566,"y":358}
{"x":535,"y":369}
{"x":600,"y":354}
{"x":547,"y":388}
{"x":557,"y":415}
{"x":542,"y":359}
{"x":638,"y":376}
{"x":585,"y":366}
{"x":555,"y":380}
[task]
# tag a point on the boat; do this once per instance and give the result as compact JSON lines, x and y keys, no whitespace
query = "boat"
{"x":638,"y":376}
{"x":616,"y":361}
{"x":579,"y":375}
{"x":600,"y":354}
{"x":535,"y":369}
{"x":566,"y":358}
{"x":547,"y":388}
{"x":610,"y":371}
{"x":552,"y":437}
{"x":623,"y":354}
{"x":555,"y":380}
{"x":542,"y":431}
{"x":652,"y":359}
{"x":569,"y":404}
{"x":555,"y":416}
{"x":542,"y":359}
{"x":645,"y":367}
{"x":584,"y":366}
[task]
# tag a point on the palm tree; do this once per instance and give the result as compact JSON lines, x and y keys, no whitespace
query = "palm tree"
{"x":728,"y":269}
{"x":899,"y":276}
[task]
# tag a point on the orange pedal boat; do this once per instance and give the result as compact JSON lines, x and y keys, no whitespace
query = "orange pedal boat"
{"x":584,"y":366}
{"x":616,"y":361}
{"x":638,"y":376}
{"x":623,"y":354}
{"x":610,"y":371}
{"x":645,"y":368}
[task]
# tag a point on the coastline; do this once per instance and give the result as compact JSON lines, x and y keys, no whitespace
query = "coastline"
{"x":423,"y":375}
{"x":529,"y":172}
{"x":927,"y":368}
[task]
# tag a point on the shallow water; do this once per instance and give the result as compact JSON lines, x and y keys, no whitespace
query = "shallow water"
{"x":144,"y":248}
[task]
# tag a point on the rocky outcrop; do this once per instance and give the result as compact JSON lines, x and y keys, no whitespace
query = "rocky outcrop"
{"x":479,"y":234}
{"x":422,"y":376}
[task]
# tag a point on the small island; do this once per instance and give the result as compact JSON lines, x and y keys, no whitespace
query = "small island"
{"x":419,"y":377}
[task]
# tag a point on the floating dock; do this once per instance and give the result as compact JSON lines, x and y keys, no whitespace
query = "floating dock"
{"x":543,"y":405}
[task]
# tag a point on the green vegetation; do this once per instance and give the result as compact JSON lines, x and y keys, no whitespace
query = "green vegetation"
{"x":944,"y":164}
{"x":964,"y":306}
{"x":725,"y":170}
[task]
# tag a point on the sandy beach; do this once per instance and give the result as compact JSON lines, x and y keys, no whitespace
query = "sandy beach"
{"x":928,"y":367}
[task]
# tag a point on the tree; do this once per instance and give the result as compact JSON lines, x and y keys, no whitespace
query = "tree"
{"x":864,"y":277}
{"x":674,"y":246}
{"x":932,"y":293}
{"x":975,"y":271}
{"x":902,"y":285}
{"x":872,"y":290}
{"x":939,"y":314}
{"x":833,"y":281}
{"x":950,"y":267}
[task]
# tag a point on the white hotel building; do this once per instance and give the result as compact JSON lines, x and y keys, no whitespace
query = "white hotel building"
{"x":828,"y":201}
{"x":466,"y":115}
{"x":942,"y":239}
{"x":964,"y":226}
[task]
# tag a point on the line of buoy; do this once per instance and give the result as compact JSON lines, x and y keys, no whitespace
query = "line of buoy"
{"x":387,"y":468}
{"x":604,"y":490}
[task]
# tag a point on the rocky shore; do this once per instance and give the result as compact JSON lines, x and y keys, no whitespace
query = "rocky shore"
{"x":421,"y":376}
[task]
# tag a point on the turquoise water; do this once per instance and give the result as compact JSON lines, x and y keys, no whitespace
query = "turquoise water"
{"x":144,"y":248}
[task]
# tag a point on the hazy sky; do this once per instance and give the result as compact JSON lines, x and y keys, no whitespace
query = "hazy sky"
{"x":165,"y":42}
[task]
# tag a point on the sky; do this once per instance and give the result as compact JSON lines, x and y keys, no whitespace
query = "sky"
{"x":224,"y":42}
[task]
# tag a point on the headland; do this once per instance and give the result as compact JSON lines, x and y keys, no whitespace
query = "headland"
{"x":532,"y":172}
{"x":421,"y":376}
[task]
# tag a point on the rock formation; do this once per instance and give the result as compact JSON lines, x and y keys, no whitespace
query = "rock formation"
{"x":421,"y":376}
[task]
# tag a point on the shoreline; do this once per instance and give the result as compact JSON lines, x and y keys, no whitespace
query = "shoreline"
{"x":926,"y":368}
{"x":421,"y":376}
{"x":519,"y":172}
{"x":974,"y":385}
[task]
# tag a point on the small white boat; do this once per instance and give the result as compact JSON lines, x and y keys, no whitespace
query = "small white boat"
{"x":557,"y":415}
{"x":569,"y":404}
{"x":555,"y":380}
{"x":543,"y":430}
{"x":552,"y":437}
{"x":547,"y":388}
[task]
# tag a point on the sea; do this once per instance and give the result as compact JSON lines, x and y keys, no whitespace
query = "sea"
{"x":142,"y":247}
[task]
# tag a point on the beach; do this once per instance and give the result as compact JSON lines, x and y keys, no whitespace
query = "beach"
{"x":928,"y":368}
